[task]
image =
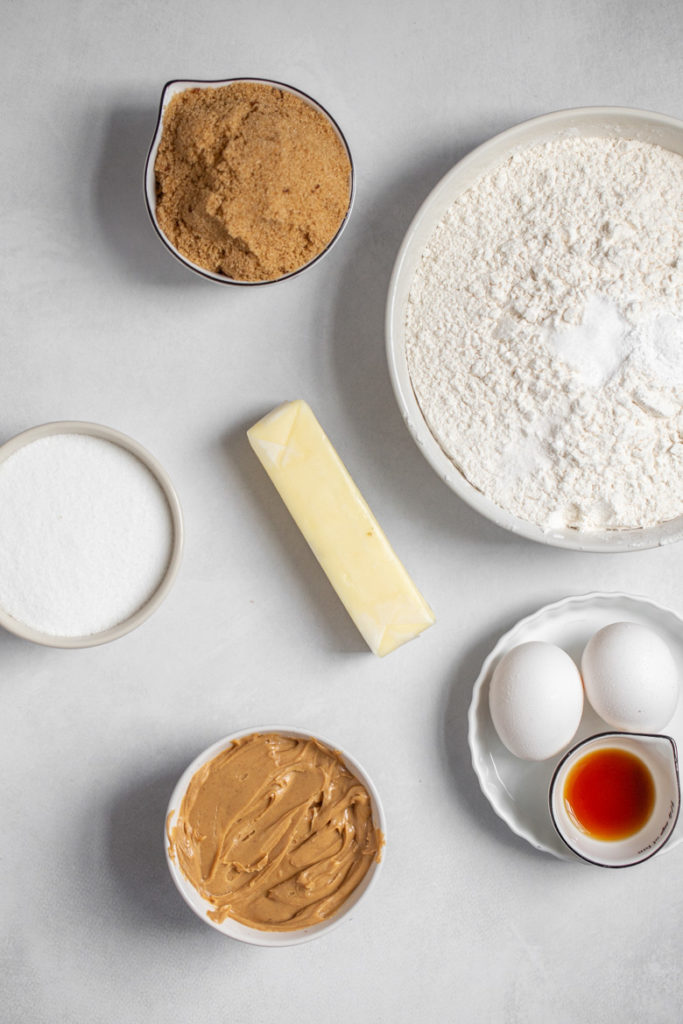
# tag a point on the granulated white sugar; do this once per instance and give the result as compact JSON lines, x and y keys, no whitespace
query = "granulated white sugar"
{"x":85,"y":534}
{"x":544,"y":334}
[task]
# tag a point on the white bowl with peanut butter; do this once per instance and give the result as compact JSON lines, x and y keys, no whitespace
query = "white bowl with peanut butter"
{"x":273,"y":835}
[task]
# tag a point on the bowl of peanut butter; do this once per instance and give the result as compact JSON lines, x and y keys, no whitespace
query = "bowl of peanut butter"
{"x":247,"y":181}
{"x":274,"y":835}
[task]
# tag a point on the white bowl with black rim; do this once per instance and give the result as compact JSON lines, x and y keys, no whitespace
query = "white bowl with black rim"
{"x":153,"y":588}
{"x":174,"y":88}
{"x":657,"y":757}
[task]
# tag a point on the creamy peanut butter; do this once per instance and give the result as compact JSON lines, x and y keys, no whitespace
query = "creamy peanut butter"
{"x":275,"y":832}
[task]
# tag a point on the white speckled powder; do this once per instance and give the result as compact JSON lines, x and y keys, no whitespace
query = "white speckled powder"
{"x":544,"y":334}
{"x":85,"y":534}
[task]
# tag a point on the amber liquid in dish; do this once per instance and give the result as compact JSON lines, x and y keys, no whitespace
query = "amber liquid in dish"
{"x":609,"y":794}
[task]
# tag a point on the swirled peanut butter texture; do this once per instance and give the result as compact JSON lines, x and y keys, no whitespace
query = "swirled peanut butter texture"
{"x":275,"y":832}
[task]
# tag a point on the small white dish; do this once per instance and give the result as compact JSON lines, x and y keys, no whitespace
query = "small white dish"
{"x":176,"y":86}
{"x":609,"y":122}
{"x":518,"y":790}
{"x":235,"y":929}
{"x":157,"y":471}
{"x":659,"y":756}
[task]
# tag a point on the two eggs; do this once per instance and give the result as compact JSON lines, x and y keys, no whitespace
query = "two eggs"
{"x":536,"y":696}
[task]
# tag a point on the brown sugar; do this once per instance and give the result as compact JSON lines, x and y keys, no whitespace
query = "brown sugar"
{"x":252,"y":181}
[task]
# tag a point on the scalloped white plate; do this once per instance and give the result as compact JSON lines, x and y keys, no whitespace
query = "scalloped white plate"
{"x":518,"y":790}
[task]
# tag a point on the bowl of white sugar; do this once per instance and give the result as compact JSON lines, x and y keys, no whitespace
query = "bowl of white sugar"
{"x":91,"y":534}
{"x":535,"y":329}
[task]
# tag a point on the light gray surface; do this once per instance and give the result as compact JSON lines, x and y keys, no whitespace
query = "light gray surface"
{"x":98,"y":322}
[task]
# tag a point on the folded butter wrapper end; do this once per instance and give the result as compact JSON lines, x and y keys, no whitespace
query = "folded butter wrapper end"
{"x":340,"y":529}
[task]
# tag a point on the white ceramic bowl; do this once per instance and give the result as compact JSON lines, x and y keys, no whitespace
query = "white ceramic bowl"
{"x":235,"y":929}
{"x":660,"y":756}
{"x":20,"y":629}
{"x":605,"y":122}
{"x":176,"y":86}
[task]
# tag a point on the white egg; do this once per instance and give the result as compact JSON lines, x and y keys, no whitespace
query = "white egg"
{"x":536,"y":700}
{"x":631,"y":677}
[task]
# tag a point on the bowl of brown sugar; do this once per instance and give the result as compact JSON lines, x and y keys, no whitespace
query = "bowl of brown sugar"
{"x":247,"y":181}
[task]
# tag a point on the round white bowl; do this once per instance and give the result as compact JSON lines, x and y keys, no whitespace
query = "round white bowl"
{"x":176,"y":86}
{"x":660,"y":756}
{"x":26,"y":632}
{"x":235,"y":929}
{"x":604,"y":122}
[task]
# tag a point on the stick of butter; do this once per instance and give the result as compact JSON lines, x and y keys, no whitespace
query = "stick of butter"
{"x":342,"y":532}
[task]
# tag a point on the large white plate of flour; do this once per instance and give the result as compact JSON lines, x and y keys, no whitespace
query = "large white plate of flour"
{"x":518,"y":790}
{"x":603,"y":122}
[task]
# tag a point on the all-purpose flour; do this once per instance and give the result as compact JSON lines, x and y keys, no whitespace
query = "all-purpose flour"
{"x":85,"y":534}
{"x":544,"y":334}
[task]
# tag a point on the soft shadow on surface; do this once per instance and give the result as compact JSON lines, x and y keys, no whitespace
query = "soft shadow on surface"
{"x":136,"y":823}
{"x":298,"y":561}
{"x":119,"y":201}
{"x":453,"y":727}
{"x":10,"y":643}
